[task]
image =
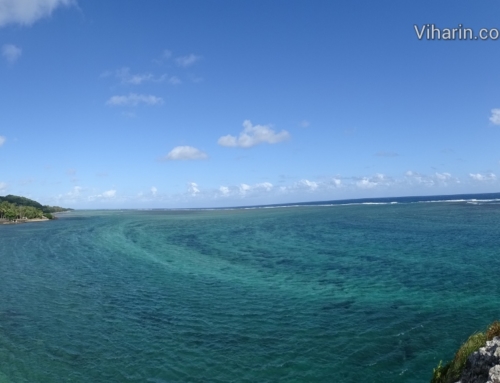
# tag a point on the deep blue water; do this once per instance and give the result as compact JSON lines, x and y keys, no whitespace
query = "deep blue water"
{"x":321,"y":292}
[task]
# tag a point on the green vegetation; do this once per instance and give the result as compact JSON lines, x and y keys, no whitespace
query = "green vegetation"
{"x":450,"y":372}
{"x":13,"y":207}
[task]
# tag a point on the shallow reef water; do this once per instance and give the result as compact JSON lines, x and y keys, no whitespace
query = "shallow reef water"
{"x":311,"y":293}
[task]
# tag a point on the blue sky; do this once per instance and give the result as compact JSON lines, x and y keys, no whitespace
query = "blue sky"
{"x":123,"y":104}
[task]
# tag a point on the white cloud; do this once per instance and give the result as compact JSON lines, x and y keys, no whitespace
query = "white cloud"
{"x":305,"y":124}
{"x":415,"y":177}
{"x":365,"y":183}
{"x":11,"y":52}
{"x":436,"y":179}
{"x":26,"y":12}
{"x":443,"y":176}
{"x":371,"y":182}
{"x":2,"y":140}
{"x":336,"y":182}
{"x":134,"y":99}
{"x":311,"y":185}
{"x":154,"y":190}
{"x":109,"y":194}
{"x":185,"y":61}
{"x":244,"y":188}
{"x":495,"y":116}
{"x":483,"y":177}
{"x":305,"y":185}
{"x":3,"y":186}
{"x":186,"y":153}
{"x":264,"y":185}
{"x":254,"y":135}
{"x":193,"y":188}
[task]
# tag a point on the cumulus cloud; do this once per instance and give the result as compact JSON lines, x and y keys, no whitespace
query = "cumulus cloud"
{"x":264,"y":185}
{"x":109,"y":194}
{"x":311,"y":185}
{"x":443,"y":176}
{"x":11,"y":52}
{"x":2,"y":140}
{"x":244,"y":188}
{"x":305,"y":185}
{"x":495,"y":116}
{"x":415,"y":177}
{"x":365,"y":183}
{"x":193,"y":188}
{"x":254,"y":135}
{"x":186,"y":153}
{"x":435,"y":179}
{"x":154,"y":190}
{"x":185,"y":61}
{"x":3,"y":186}
{"x":371,"y":182}
{"x":337,"y":182}
{"x":483,"y":177}
{"x":134,"y":99}
{"x":26,"y":12}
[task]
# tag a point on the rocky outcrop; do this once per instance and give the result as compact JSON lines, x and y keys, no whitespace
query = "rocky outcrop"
{"x":483,"y":366}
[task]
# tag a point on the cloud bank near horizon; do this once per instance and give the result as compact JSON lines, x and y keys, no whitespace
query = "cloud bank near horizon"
{"x":330,"y":188}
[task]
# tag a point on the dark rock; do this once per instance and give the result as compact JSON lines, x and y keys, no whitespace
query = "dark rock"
{"x":483,"y":366}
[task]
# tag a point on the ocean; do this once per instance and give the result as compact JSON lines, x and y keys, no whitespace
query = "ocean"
{"x":376,"y":290}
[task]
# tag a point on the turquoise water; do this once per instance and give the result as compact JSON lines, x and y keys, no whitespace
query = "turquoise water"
{"x":346,"y":293}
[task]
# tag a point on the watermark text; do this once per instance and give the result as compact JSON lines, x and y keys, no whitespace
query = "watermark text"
{"x":431,"y":32}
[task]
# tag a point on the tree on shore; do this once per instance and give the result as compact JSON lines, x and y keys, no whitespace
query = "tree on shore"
{"x":13,"y":207}
{"x":23,"y":201}
{"x":11,"y":212}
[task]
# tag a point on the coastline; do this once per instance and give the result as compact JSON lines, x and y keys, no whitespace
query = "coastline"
{"x":18,"y":221}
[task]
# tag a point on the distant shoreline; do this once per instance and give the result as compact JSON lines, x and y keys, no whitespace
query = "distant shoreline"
{"x":18,"y":221}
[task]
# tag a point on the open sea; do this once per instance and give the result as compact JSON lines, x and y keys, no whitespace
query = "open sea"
{"x":375,"y":290}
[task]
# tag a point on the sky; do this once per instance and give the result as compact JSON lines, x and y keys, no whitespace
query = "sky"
{"x":214,"y":103}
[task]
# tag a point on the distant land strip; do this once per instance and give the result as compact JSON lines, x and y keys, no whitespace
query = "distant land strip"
{"x":16,"y":209}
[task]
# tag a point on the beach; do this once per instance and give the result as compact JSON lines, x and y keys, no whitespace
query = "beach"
{"x":17,"y":221}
